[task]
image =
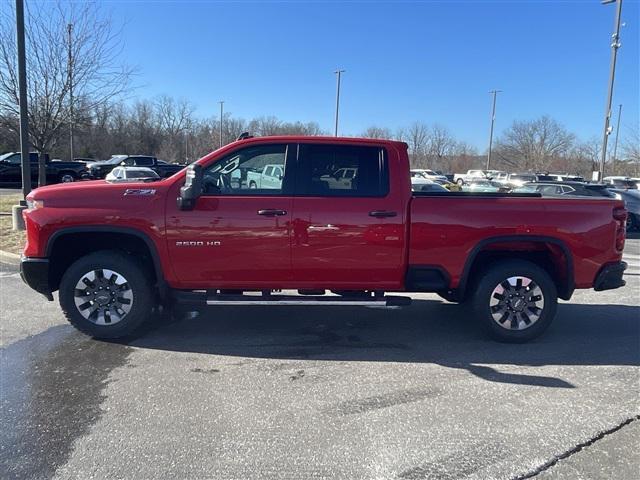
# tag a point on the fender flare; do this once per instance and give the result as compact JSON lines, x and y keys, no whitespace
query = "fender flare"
{"x":155,"y":257}
{"x":565,"y":291}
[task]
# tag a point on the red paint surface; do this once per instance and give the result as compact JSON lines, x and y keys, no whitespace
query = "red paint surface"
{"x":354,"y":251}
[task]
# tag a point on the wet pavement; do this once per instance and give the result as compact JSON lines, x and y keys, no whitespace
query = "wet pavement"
{"x":293,"y":392}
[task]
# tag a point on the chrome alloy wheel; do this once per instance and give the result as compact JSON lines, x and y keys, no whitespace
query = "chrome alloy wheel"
{"x":516,"y":303}
{"x":67,"y":178}
{"x":103,"y":296}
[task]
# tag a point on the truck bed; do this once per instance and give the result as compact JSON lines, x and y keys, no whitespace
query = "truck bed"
{"x":448,"y":229}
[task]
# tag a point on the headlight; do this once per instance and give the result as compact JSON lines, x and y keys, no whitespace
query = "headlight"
{"x":33,"y":204}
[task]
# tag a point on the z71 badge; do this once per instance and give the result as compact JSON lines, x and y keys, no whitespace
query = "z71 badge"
{"x":141,"y":192}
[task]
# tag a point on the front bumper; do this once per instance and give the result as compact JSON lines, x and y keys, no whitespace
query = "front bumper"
{"x":610,"y":277}
{"x":35,"y":273}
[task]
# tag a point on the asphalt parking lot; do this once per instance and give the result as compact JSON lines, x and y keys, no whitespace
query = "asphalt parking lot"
{"x":349,"y":393}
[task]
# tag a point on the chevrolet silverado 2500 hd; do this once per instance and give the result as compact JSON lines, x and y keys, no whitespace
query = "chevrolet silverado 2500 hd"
{"x":115,"y":251}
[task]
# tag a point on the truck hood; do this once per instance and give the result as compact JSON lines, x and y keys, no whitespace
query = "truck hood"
{"x":94,"y":193}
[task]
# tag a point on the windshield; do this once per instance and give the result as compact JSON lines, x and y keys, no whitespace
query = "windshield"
{"x":6,"y":155}
{"x":141,"y":174}
{"x":114,"y":160}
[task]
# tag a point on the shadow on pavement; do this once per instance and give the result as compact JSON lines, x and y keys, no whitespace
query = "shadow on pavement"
{"x":428,"y":331}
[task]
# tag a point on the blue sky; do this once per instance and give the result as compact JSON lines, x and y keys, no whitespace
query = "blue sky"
{"x":432,"y":61}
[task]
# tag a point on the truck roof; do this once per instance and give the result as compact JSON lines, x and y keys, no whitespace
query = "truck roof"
{"x":321,"y":139}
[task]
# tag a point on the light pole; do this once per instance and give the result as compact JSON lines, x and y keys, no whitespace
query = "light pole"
{"x":221,"y":117}
{"x":338,"y":76}
{"x":25,"y":160}
{"x":70,"y":74}
{"x":615,"y":45}
{"x":186,"y":146}
{"x":493,"y":119}
{"x":615,"y":144}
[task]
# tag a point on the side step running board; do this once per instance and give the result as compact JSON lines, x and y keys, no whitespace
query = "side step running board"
{"x":329,"y":300}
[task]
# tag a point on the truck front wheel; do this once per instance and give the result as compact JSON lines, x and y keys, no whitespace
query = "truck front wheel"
{"x":106,"y":294}
{"x":516,"y":301}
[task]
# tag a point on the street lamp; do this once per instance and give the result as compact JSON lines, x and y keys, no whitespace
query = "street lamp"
{"x":338,"y":75}
{"x":615,"y":45}
{"x":70,"y":74}
{"x":221,"y":102}
{"x":25,"y":160}
{"x":493,"y":119}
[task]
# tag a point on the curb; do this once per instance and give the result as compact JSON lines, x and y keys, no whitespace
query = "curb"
{"x":8,"y":257}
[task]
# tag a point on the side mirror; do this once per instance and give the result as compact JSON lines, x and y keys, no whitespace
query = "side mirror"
{"x":192,"y":187}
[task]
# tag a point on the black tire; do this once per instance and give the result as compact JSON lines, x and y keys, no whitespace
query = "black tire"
{"x":137,"y":285}
{"x":633,"y":223}
{"x":253,"y":184}
{"x":460,"y":182}
{"x":67,"y":177}
{"x":518,"y":315}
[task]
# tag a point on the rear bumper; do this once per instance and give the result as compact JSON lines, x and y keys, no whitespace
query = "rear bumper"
{"x":35,"y":273}
{"x":610,"y":277}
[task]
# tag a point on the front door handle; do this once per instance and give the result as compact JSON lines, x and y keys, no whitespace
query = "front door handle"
{"x":382,"y":214}
{"x":272,"y":212}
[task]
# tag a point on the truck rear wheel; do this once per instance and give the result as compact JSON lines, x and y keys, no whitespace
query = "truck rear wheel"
{"x":106,"y":295}
{"x":516,"y":300}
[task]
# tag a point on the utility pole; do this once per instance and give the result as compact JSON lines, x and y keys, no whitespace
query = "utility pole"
{"x":493,"y":119}
{"x":615,"y":144}
{"x":221,"y":119}
{"x":338,"y":75}
{"x":186,"y":146}
{"x":25,"y":160}
{"x":70,"y":75}
{"x":615,"y":45}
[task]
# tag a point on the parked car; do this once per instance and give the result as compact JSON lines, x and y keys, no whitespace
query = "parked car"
{"x":621,"y":183}
{"x":56,"y":171}
{"x":452,"y":187}
{"x":558,"y":177}
{"x":269,"y":177}
{"x":515,"y":180}
{"x":427,"y":173}
{"x":128,"y":174}
{"x":485,"y":186}
{"x":421,"y":184}
{"x":567,"y":188}
{"x":115,"y":252}
{"x":632,"y":202}
{"x":462,"y":178}
{"x":100,"y":169}
{"x":343,"y":178}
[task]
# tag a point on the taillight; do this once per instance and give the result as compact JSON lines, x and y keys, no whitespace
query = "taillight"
{"x":620,"y":216}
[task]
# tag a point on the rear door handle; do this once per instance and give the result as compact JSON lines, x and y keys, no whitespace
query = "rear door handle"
{"x":272,"y":212}
{"x":382,"y":214}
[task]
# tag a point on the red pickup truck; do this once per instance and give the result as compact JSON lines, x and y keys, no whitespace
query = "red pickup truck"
{"x":208,"y":236}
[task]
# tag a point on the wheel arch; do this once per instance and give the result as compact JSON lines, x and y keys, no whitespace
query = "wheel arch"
{"x":550,"y":253}
{"x":67,"y":245}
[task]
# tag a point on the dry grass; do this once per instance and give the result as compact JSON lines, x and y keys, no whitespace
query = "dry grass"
{"x":7,"y":201}
{"x":10,"y":240}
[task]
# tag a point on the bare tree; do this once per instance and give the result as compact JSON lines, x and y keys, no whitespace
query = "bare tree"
{"x":441,"y":144}
{"x":377,"y":132}
{"x":88,"y":65}
{"x":534,"y":144}
{"x":417,"y":138}
{"x":631,"y":151}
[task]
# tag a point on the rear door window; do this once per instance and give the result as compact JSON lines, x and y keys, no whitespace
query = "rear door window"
{"x":342,"y":171}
